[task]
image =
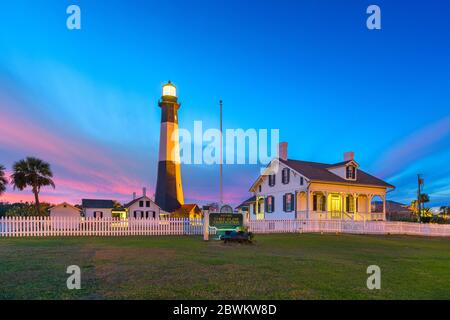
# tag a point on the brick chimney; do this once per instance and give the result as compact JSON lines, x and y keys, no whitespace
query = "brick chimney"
{"x":144,"y":191}
{"x":134,"y":195}
{"x":348,"y":156}
{"x":283,"y":150}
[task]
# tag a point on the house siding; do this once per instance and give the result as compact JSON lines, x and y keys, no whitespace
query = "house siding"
{"x":89,"y":212}
{"x":278,"y":191}
{"x":136,"y":207}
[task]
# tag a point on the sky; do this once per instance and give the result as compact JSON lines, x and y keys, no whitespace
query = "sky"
{"x":86,"y":100}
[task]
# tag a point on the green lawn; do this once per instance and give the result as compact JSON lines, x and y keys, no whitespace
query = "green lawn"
{"x":308,"y":266}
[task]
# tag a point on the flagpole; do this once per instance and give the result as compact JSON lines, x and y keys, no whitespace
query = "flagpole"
{"x":221,"y":155}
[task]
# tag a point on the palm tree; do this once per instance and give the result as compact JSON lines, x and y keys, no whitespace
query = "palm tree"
{"x":34,"y":173}
{"x":424,"y":198}
{"x":3,"y":180}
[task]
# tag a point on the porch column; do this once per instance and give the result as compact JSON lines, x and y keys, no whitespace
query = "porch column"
{"x":355,"y":209}
{"x":296,"y":194}
{"x":307,"y":203}
{"x":369,"y":203}
{"x":384,"y":208}
{"x":342,"y":205}
{"x":325,"y":207}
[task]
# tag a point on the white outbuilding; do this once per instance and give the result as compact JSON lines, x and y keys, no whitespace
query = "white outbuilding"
{"x":64,"y":210}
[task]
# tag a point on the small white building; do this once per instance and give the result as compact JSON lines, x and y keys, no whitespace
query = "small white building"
{"x":95,"y":208}
{"x":64,"y":210}
{"x":143,"y":208}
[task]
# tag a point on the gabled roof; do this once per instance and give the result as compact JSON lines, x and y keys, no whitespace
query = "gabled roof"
{"x":186,"y":209}
{"x":65,"y":204}
{"x":97,"y":204}
{"x":319,"y":172}
{"x":143,"y":198}
{"x":247,"y":202}
{"x":316,"y":171}
{"x":343,"y":163}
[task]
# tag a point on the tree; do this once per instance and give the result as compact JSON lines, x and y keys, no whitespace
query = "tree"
{"x":3,"y":180}
{"x":424,"y":198}
{"x":26,"y":210}
{"x":34,"y":173}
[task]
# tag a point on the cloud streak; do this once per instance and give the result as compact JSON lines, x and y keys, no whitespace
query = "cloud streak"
{"x":412,"y":148}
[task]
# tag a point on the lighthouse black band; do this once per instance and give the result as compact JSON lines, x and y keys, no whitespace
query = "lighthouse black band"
{"x":166,"y":186}
{"x":169,"y":112}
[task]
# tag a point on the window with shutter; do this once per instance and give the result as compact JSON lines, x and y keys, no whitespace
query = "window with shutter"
{"x":285,"y":175}
{"x":301,"y":181}
{"x":288,"y":205}
{"x":272,"y":180}
{"x":315,"y":202}
{"x":270,"y":204}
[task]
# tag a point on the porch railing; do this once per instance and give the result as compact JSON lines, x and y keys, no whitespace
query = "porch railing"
{"x":329,"y":215}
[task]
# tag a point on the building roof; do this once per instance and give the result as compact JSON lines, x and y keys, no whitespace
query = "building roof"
{"x":186,"y":209}
{"x":97,"y":204}
{"x":319,"y":172}
{"x":143,"y":198}
{"x":316,"y":171}
{"x":246,"y":202}
{"x":65,"y":204}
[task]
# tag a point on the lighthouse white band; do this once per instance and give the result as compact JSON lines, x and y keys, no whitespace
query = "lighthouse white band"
{"x":169,"y":147}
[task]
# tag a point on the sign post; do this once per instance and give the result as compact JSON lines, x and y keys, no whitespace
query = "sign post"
{"x":206,"y":223}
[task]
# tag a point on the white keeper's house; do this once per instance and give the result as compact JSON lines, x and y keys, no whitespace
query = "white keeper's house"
{"x":294,"y":189}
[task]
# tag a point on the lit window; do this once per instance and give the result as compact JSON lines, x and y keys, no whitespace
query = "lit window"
{"x":288,"y":202}
{"x":169,"y":90}
{"x":270,"y":200}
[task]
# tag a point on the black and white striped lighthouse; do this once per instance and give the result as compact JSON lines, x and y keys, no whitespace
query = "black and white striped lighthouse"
{"x":169,"y":189}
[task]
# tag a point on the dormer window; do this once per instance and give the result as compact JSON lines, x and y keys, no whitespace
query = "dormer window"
{"x":351,"y":172}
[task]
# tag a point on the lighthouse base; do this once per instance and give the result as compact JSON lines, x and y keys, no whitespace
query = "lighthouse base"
{"x":169,"y":193}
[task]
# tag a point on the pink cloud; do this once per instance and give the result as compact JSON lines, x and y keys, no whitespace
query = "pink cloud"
{"x":81,"y":168}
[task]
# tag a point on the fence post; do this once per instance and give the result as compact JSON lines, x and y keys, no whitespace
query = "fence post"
{"x":206,"y":226}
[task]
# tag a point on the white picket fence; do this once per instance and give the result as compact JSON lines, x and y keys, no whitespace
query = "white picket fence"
{"x":57,"y":227}
{"x":349,"y":226}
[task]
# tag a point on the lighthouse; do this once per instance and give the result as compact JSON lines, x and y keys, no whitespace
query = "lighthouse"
{"x":169,"y":189}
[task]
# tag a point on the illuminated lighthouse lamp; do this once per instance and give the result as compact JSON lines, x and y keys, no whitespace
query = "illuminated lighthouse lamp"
{"x":169,"y":90}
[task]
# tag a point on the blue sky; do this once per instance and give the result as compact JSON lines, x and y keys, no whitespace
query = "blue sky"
{"x":86,"y":101}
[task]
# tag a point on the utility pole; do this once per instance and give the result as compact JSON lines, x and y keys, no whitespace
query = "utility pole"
{"x":221,"y":155}
{"x":419,"y":183}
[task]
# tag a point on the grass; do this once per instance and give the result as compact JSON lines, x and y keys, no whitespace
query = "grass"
{"x":288,"y":266}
